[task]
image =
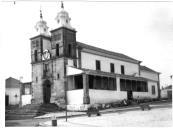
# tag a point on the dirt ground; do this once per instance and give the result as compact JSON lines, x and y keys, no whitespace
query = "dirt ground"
{"x":160,"y":117}
{"x":156,"y":117}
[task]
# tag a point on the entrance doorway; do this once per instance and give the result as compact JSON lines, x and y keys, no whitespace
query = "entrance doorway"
{"x":6,"y":100}
{"x":129,"y":95}
{"x":46,"y":91}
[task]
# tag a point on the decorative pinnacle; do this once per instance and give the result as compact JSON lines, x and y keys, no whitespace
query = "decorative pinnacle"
{"x":41,"y":16}
{"x":62,"y":5}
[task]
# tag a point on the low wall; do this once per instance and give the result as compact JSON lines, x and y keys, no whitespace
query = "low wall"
{"x":75,"y":96}
{"x":106,"y":96}
{"x":79,"y":107}
{"x":141,"y":95}
{"x":14,"y":95}
{"x":26,"y":99}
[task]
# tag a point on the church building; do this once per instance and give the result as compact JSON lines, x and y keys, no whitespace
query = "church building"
{"x":99,"y":76}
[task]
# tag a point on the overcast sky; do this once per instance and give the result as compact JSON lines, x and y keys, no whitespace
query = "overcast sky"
{"x":142,"y":30}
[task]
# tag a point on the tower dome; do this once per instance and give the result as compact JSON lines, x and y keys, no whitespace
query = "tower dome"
{"x":41,"y":26}
{"x":63,"y":18}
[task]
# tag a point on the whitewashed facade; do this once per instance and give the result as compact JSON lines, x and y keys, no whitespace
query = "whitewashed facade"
{"x":106,"y":76}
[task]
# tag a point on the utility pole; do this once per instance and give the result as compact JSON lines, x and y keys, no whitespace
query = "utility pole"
{"x":20,"y":85}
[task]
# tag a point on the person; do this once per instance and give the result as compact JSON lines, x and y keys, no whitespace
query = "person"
{"x":124,"y":102}
{"x":138,"y":100}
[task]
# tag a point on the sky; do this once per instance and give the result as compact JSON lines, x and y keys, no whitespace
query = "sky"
{"x":142,"y":30}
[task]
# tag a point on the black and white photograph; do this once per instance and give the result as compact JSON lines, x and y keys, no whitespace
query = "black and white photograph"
{"x":86,"y":63}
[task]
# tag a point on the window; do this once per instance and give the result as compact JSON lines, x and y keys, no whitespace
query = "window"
{"x":112,"y":84}
{"x":69,"y":49}
{"x":144,"y":86}
{"x":153,"y":90}
{"x":57,"y":49}
{"x":134,"y":88}
{"x":58,"y":76}
{"x":36,"y":79}
{"x":133,"y":85}
{"x":37,"y":43}
{"x":122,"y":84}
{"x":78,"y":82}
{"x":128,"y":85}
{"x":46,"y":67}
{"x":75,"y":63}
{"x":91,"y":82}
{"x":35,"y":55}
{"x":98,"y":65}
{"x":45,"y":70}
{"x":122,"y":69}
{"x":102,"y":83}
{"x":138,"y":86}
{"x":112,"y":67}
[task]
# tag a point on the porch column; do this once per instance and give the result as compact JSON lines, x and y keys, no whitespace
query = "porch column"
{"x":118,"y":83}
{"x":86,"y":98}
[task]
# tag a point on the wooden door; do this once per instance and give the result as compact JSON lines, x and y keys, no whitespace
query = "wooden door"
{"x":46,"y":92}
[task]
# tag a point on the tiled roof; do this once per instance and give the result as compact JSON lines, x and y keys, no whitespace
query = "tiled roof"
{"x":119,"y":55}
{"x":12,"y":83}
{"x":168,"y":87}
{"x":147,"y":69}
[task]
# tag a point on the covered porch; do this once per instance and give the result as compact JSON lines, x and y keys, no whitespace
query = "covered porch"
{"x":90,"y":88}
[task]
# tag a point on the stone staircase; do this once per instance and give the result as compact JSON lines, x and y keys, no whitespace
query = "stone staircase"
{"x":29,"y":111}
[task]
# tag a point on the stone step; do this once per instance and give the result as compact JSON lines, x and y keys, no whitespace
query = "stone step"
{"x":29,"y":111}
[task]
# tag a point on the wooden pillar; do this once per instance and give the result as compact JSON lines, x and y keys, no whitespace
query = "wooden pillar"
{"x":118,"y":83}
{"x":86,"y":98}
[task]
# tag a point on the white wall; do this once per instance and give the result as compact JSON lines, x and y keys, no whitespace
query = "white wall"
{"x":106,"y":96}
{"x":75,"y":96}
{"x":26,"y":99}
{"x":70,"y":62}
{"x":141,"y":95}
{"x":11,"y":92}
{"x":89,"y":60}
{"x":150,"y":84}
{"x":164,"y":93}
{"x":149,"y":75}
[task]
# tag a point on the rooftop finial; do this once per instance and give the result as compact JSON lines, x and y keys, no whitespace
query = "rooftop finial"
{"x":62,"y":5}
{"x":41,"y":16}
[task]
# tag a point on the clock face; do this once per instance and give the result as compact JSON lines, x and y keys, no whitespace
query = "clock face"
{"x":46,"y":55}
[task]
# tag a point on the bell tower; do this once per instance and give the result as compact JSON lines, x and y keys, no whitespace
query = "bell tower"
{"x":40,"y":51}
{"x":49,"y":56}
{"x":64,"y":36}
